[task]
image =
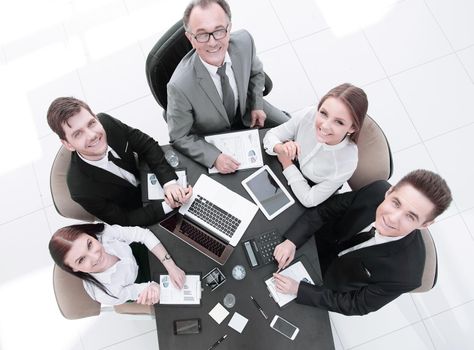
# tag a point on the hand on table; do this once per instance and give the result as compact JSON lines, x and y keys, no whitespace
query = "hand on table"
{"x":150,"y":295}
{"x":177,"y":276}
{"x":225,"y":164}
{"x":285,"y":285}
{"x":290,"y":149}
{"x":284,"y":161}
{"x":175,"y":195}
{"x":284,"y":253}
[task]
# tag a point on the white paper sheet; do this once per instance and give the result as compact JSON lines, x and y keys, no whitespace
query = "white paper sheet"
{"x":238,"y":322}
{"x":244,"y":146}
{"x":190,"y":294}
{"x":218,"y":313}
{"x":155,"y":191}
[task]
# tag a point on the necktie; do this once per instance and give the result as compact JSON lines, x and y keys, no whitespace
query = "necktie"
{"x":122,"y":164}
{"x":227,"y":94}
{"x":359,"y":238}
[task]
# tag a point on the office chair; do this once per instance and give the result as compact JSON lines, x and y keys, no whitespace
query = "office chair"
{"x":165,"y":56}
{"x":375,"y":157}
{"x":74,"y":302}
{"x":62,"y":200}
{"x":430,"y":271}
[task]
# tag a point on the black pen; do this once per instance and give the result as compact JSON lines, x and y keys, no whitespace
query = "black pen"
{"x":259,"y":307}
{"x":218,"y":342}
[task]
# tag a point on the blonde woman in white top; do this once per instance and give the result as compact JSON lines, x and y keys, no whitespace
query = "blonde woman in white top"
{"x":323,"y":140}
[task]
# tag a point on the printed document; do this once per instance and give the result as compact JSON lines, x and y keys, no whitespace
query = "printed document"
{"x":190,"y":294}
{"x":298,"y":272}
{"x":155,"y":191}
{"x":244,"y":146}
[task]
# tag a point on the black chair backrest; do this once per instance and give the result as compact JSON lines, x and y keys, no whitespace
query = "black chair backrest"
{"x":163,"y":59}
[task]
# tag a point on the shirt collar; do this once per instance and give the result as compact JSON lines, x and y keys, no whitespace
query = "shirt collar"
{"x":101,"y":163}
{"x":213,"y":69}
{"x":379,"y":239}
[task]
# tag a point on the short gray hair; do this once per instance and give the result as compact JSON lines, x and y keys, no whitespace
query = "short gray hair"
{"x":204,"y":4}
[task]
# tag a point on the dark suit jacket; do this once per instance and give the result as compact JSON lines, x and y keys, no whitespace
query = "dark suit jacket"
{"x":196,"y":109}
{"x":366,"y":279}
{"x":109,"y":197}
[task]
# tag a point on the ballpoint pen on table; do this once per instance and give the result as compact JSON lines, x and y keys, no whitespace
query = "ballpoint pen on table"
{"x":218,"y":342}
{"x":259,"y":307}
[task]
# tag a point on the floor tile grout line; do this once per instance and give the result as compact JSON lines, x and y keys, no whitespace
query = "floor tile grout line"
{"x":129,"y":102}
{"x":423,"y":142}
{"x":421,"y":320}
{"x":336,"y":331}
{"x":411,"y":324}
{"x":448,"y":309}
{"x":294,"y":51}
{"x":449,"y":41}
{"x":128,"y":339}
{"x":418,"y":65}
{"x":391,"y":84}
{"x":20,"y":217}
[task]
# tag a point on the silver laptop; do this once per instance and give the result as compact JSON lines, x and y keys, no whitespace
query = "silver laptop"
{"x":214,"y":219}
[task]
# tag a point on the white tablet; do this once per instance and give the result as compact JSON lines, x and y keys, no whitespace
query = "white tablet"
{"x":268,"y":192}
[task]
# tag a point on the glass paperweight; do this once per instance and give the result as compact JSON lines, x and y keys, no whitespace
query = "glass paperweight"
{"x":238,"y":272}
{"x":229,"y":300}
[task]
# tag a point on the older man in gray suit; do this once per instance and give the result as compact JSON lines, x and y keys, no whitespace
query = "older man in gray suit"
{"x":217,"y":86}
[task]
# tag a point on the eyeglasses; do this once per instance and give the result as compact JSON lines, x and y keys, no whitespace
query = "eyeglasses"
{"x":205,"y":37}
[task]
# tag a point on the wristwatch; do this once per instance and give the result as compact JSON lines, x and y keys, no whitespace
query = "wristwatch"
{"x":167,"y":257}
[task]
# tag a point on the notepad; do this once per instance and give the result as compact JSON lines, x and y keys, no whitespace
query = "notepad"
{"x":218,"y":313}
{"x":238,"y":322}
{"x":190,"y":294}
{"x":298,"y":272}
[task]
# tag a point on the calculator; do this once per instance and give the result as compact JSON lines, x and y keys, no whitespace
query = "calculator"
{"x":259,"y":250}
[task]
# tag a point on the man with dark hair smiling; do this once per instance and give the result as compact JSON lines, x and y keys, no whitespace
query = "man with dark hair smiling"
{"x":368,"y":241}
{"x":103,"y":175}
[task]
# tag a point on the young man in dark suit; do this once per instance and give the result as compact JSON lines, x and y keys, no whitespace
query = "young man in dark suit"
{"x":364,"y":269}
{"x":103,"y":176}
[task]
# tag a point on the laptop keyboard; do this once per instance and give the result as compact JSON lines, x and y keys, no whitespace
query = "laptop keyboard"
{"x":214,"y":216}
{"x":201,"y":238}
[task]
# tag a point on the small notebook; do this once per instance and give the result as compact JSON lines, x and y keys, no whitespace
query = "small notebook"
{"x":190,"y":294}
{"x":298,"y":272}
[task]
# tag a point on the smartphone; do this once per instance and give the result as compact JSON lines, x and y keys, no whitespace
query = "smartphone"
{"x":284,"y":327}
{"x":191,"y":326}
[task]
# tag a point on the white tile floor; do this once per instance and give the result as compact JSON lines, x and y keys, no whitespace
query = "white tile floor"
{"x":413,"y":57}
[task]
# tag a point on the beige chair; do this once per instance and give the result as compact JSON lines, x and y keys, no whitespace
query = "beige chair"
{"x":430,"y":271}
{"x":375,"y":157}
{"x":72,"y":299}
{"x":62,"y":200}
{"x":75,"y":303}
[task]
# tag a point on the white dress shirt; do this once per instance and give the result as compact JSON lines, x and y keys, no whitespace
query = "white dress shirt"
{"x":120,"y":278}
{"x":377,"y":239}
{"x":328,"y":166}
{"x":216,"y":79}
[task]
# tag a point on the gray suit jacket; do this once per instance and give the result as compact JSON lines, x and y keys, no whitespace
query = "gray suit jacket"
{"x":196,"y":109}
